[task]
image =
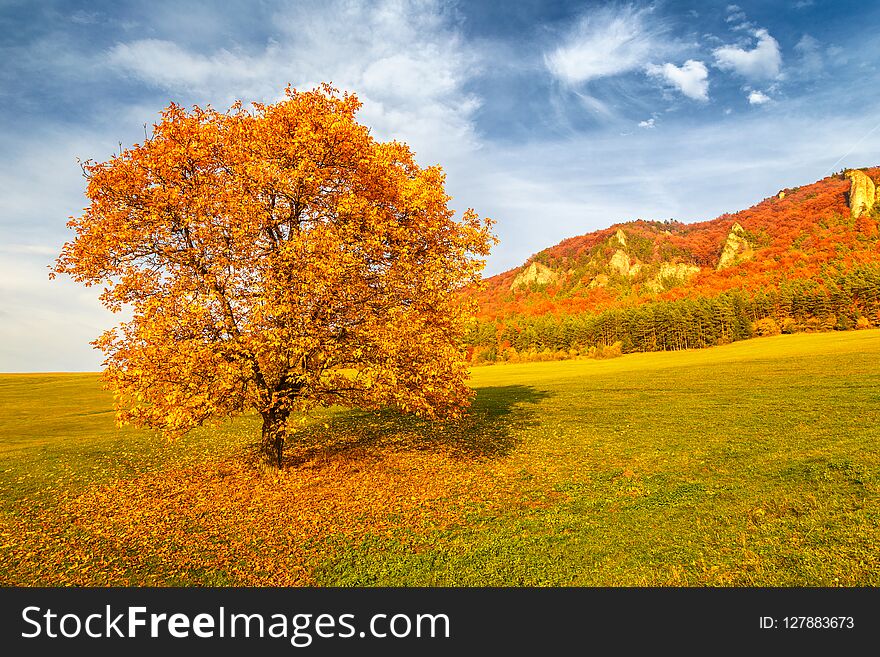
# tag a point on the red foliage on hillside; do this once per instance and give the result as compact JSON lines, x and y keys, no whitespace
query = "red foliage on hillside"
{"x":798,"y":235}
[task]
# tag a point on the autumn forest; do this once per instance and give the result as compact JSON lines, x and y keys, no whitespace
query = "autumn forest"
{"x":801,"y":260}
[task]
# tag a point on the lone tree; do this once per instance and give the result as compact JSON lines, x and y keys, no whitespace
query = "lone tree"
{"x":276,"y":257}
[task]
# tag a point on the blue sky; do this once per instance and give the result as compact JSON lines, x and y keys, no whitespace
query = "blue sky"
{"x":553,"y":118}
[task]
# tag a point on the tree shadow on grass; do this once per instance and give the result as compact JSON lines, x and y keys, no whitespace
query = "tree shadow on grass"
{"x":488,"y":430}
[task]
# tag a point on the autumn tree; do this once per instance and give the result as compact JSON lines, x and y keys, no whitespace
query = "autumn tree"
{"x":279,"y":258}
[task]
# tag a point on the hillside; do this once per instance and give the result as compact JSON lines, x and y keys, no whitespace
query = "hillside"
{"x":806,"y":258}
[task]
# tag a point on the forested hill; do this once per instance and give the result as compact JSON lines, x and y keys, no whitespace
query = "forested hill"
{"x":807,"y":258}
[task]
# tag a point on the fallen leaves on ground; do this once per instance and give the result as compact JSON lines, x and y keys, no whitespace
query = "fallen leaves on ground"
{"x":231,"y":521}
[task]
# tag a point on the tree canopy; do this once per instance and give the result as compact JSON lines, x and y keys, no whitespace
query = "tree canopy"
{"x":276,"y":257}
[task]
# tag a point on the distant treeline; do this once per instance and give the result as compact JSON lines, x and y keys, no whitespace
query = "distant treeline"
{"x":837,"y":303}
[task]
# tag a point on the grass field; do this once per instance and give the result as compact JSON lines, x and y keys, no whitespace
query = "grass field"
{"x":753,"y":464}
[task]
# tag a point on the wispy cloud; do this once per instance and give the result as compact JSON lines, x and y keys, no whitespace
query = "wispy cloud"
{"x":83,"y":17}
{"x":405,"y":60}
{"x":222,"y":73}
{"x":734,"y":14}
{"x":606,"y":42}
{"x":810,"y":52}
{"x":691,"y":78}
{"x":737,"y":19}
{"x":762,"y":62}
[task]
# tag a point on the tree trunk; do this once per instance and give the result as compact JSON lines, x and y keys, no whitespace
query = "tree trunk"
{"x":272,"y":445}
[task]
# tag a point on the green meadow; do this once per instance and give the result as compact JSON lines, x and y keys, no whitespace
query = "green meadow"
{"x":751,"y":464}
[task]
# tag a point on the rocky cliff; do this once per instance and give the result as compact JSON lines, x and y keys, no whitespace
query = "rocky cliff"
{"x":620,"y":263}
{"x":861,"y":193}
{"x":535,"y":273}
{"x":671,"y":275}
{"x":736,"y":248}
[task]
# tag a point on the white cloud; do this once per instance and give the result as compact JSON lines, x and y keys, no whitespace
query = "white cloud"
{"x":594,"y":105}
{"x":736,"y":15}
{"x":606,"y":42}
{"x":649,"y":123}
{"x":745,"y":26}
{"x":810,"y":53}
{"x":165,"y":64}
{"x":758,"y":98}
{"x":404,"y":59}
{"x":691,"y":79}
{"x":761,"y":63}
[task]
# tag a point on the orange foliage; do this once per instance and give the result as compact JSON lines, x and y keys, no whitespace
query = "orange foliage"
{"x":793,"y":237}
{"x":276,"y":258}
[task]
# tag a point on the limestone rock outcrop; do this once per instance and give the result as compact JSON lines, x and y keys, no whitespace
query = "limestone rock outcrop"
{"x":672,"y":274}
{"x":621,"y":238}
{"x":680,"y":270}
{"x":599,"y":281}
{"x":620,"y":263}
{"x":861,"y":192}
{"x":535,"y":273}
{"x":736,"y":249}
